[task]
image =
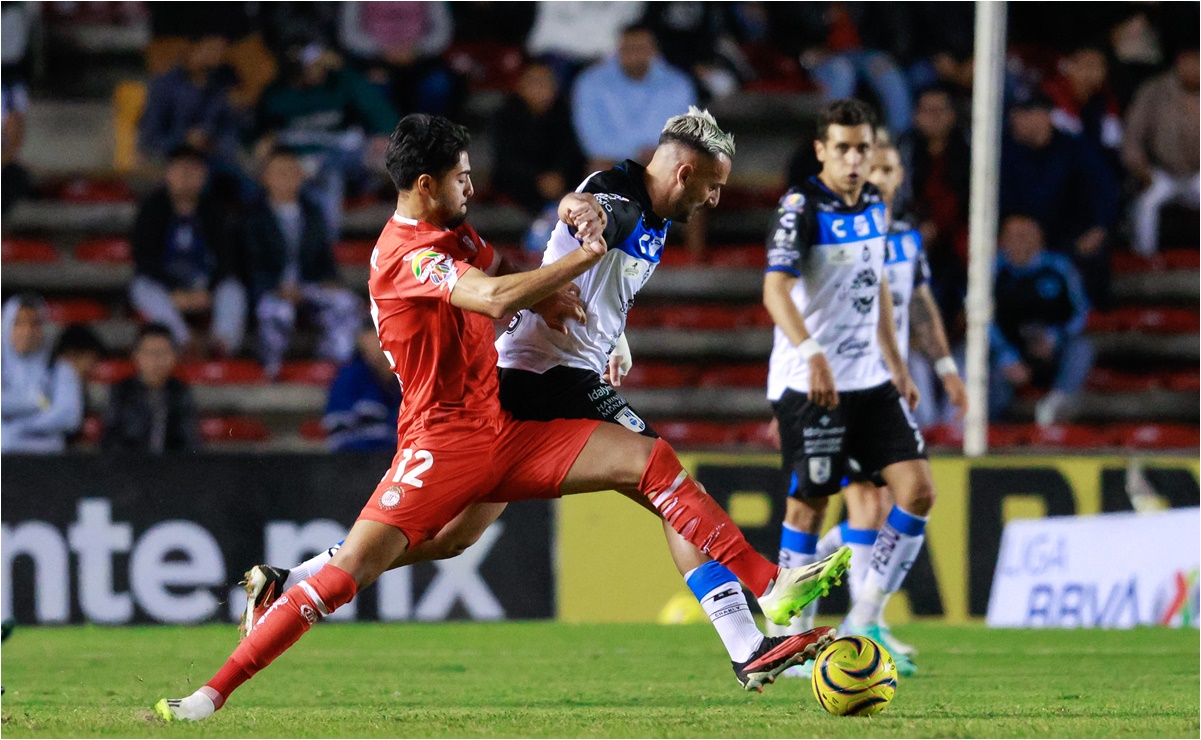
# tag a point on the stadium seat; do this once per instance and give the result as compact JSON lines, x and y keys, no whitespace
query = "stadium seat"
{"x":1009,"y":435}
{"x":943,"y":435}
{"x":104,"y":251}
{"x":756,"y":434}
{"x":1157,"y":436}
{"x":487,"y":65}
{"x":76,"y":311}
{"x":1183,"y":380}
{"x":353,"y":253}
{"x":1068,"y":435}
{"x":309,"y":372}
{"x":1113,"y":381}
{"x":220,"y":429}
{"x":312,"y":430}
{"x":223,"y":372}
{"x":753,"y":374}
{"x":112,"y":371}
{"x":659,"y":375}
{"x":27,"y":250}
{"x":1183,"y":259}
{"x":84,"y":190}
{"x":739,"y":256}
{"x":1143,"y":319}
{"x":696,"y":433}
{"x":701,"y":316}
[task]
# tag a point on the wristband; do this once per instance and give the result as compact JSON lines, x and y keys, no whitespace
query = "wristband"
{"x":809,"y":348}
{"x":946,"y":366}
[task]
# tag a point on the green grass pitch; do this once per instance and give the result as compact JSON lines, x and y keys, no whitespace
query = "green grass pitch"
{"x":553,"y":680}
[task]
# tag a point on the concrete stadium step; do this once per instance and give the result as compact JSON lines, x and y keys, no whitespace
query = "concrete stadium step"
{"x":284,"y":398}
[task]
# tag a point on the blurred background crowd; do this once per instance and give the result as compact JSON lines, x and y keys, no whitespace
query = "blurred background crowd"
{"x":191,"y":190}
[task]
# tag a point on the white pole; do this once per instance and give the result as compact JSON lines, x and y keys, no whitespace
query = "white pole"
{"x":987,"y":87}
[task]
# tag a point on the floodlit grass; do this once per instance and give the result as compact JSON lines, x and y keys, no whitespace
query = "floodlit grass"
{"x":552,"y":680}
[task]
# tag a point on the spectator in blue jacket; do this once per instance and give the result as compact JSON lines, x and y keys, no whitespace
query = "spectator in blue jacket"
{"x":620,"y":104}
{"x":1064,"y":184}
{"x":189,"y":105}
{"x":1036,"y":337}
{"x":42,"y":398}
{"x":364,"y":400}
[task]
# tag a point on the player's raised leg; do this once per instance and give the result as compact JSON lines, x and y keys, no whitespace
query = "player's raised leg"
{"x":614,"y":458}
{"x":366,"y":553}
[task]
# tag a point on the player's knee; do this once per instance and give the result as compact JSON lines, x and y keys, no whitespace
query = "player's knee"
{"x":920,"y":498}
{"x":805,"y":515}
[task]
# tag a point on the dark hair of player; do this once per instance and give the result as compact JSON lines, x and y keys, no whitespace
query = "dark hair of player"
{"x":423,"y":145}
{"x":153,"y":329}
{"x":847,"y":112}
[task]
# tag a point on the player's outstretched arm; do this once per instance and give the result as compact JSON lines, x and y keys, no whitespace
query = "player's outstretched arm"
{"x":497,"y":297}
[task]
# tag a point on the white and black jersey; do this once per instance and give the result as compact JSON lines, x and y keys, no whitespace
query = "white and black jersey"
{"x":836,"y":252}
{"x":906,"y":267}
{"x":635,"y":237}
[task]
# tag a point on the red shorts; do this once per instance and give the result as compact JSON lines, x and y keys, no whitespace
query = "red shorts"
{"x":442,"y":469}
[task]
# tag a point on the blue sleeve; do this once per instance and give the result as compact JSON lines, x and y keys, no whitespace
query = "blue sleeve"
{"x":154,"y":133}
{"x":1075,"y":286}
{"x":64,"y":415}
{"x":343,"y":392}
{"x":1004,"y":352}
{"x":13,"y":406}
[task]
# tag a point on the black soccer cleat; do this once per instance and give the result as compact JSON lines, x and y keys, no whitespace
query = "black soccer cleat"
{"x":264,"y":584}
{"x":777,"y":654}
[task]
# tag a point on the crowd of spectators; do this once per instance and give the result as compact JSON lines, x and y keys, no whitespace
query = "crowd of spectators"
{"x":266,"y":117}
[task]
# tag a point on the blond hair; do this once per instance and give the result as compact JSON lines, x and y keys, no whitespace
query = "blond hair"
{"x":697,"y":129}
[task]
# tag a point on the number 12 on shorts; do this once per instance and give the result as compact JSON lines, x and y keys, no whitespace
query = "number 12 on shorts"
{"x":425,"y":461}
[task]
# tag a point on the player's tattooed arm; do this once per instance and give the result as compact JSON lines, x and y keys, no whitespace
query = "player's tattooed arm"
{"x":929,"y":336}
{"x":887,"y":336}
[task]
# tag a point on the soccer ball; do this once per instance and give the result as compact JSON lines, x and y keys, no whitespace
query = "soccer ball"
{"x":854,"y":676}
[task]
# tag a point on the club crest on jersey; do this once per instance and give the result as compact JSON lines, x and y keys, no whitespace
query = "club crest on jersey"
{"x":628,"y":419}
{"x":819,"y":470}
{"x":433,"y":267}
{"x":391,"y":498}
{"x":469,"y":245}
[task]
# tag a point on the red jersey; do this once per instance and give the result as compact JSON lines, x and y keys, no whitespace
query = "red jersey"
{"x":444,"y":356}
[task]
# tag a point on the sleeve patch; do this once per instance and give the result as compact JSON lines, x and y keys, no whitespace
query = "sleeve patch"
{"x":434,"y":268}
{"x":793,"y":202}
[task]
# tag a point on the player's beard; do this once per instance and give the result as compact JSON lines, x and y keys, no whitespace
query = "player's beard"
{"x":456,"y":220}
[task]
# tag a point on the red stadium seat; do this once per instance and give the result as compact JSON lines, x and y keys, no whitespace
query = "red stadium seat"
{"x":76,"y":311}
{"x":944,"y":435}
{"x":1113,"y":381}
{"x":112,"y":371}
{"x":756,"y":434}
{"x":353,"y":253}
{"x":1142,"y":319}
{"x":1183,"y":259}
{"x":1009,"y":435}
{"x":28,"y":250}
{"x":309,"y":372}
{"x":104,"y":251}
{"x":217,"y":430}
{"x":487,"y":65}
{"x":659,"y":375}
{"x":1069,"y":435}
{"x":312,"y":430}
{"x":1184,"y":380}
{"x":1126,"y":262}
{"x":734,"y":376}
{"x":701,"y":316}
{"x":83,"y":190}
{"x":223,"y":372}
{"x":1158,"y":436}
{"x":696,"y":433}
{"x":739,"y":256}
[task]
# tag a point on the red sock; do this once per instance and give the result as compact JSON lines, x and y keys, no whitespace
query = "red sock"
{"x":284,"y":623}
{"x":697,"y":517}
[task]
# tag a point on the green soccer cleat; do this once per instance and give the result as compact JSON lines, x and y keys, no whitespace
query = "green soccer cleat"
{"x":905,"y":666}
{"x":165,"y":711}
{"x":192,"y":708}
{"x":796,"y":588}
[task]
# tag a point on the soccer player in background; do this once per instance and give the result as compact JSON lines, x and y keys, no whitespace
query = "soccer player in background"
{"x":867,"y":497}
{"x":557,"y":371}
{"x":838,"y":383}
{"x":433,"y":302}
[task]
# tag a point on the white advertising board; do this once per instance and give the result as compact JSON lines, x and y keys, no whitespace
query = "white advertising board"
{"x":1108,"y":570}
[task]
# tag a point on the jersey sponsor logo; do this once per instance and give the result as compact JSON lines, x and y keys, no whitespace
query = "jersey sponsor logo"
{"x":819,"y":469}
{"x":391,"y":498}
{"x":862,"y":291}
{"x":513,"y":322}
{"x":840,"y":255}
{"x":633,"y":267}
{"x":628,"y":419}
{"x":788,"y":220}
{"x":605,"y":199}
{"x":650,"y":244}
{"x":782,"y":257}
{"x":852,"y":347}
{"x":433,"y":267}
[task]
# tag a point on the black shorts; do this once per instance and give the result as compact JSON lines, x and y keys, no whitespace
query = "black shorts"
{"x":566,"y":393}
{"x":872,"y":427}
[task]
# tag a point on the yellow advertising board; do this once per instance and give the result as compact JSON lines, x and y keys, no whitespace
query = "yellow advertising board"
{"x":613,"y":565}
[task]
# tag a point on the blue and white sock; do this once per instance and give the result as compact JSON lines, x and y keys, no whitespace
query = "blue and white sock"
{"x":896,"y":548}
{"x":798,"y":548}
{"x":861,"y":542}
{"x":720,"y":595}
{"x":309,"y":568}
{"x":831,"y":541}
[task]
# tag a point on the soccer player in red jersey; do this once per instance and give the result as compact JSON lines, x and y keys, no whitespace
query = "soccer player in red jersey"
{"x":433,"y":306}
